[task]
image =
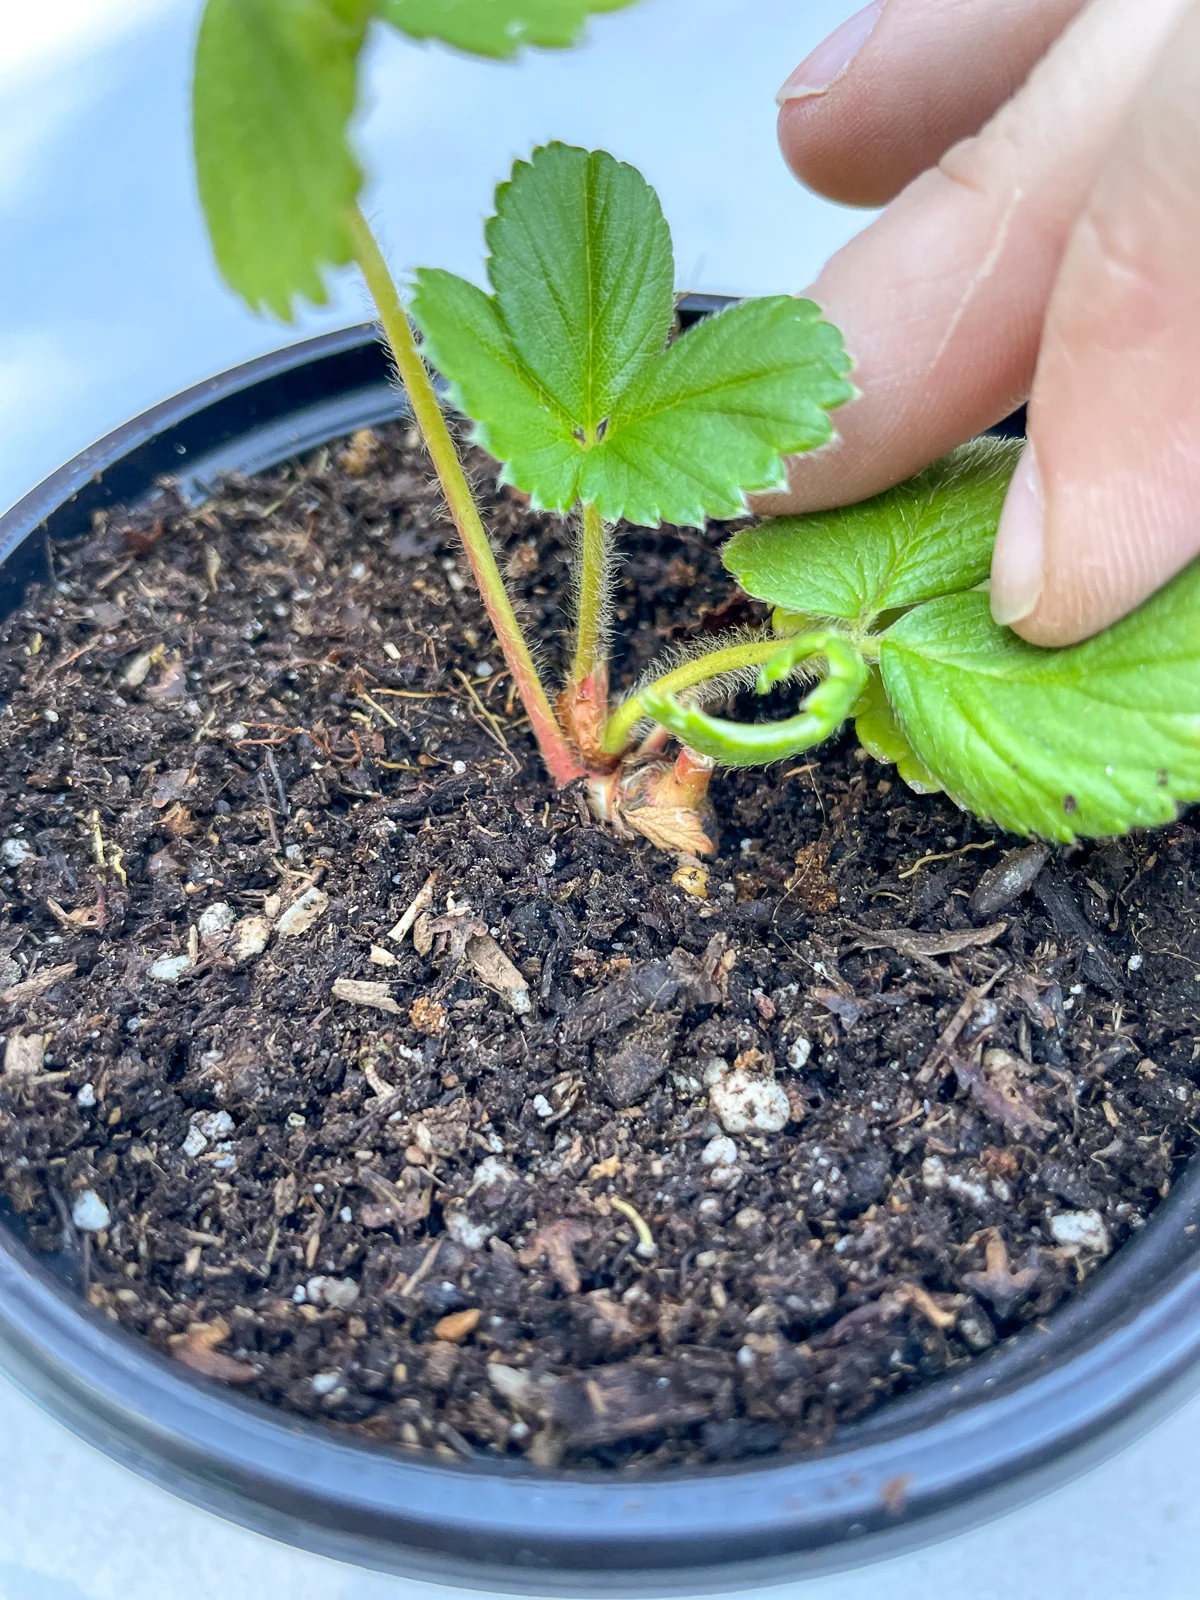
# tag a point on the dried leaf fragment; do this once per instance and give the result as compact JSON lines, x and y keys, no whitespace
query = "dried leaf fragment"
{"x":677,"y":829}
{"x":197,"y":1349}
{"x":172,"y":786}
{"x":995,"y":1088}
{"x":556,"y":1242}
{"x":81,"y":917}
{"x":37,"y":984}
{"x":907,"y":942}
{"x":363,"y":992}
{"x":302,"y":913}
{"x":397,"y":1205}
{"x":24,"y":1054}
{"x":493,"y":968}
{"x":284,"y":1195}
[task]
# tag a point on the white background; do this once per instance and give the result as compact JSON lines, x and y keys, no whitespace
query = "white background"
{"x":108,"y":303}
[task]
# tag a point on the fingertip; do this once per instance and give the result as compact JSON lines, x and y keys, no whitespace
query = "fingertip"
{"x":1050,"y":633}
{"x":833,"y":57}
{"x":900,"y":82}
{"x":1018,"y":558}
{"x":821,"y":149}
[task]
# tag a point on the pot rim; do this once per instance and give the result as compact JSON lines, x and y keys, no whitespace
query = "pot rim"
{"x":1042,"y":1405}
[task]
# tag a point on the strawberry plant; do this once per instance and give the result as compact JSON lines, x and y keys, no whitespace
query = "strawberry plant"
{"x":568,"y":369}
{"x":577,"y":383}
{"x":572,"y":381}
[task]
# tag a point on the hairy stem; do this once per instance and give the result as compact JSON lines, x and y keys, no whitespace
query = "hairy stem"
{"x":686,"y":676}
{"x":822,"y":711}
{"x":427,"y":413}
{"x":590,"y":652}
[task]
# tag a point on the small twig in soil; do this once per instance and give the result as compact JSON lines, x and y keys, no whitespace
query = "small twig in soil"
{"x":262,"y":783}
{"x":378,"y":709}
{"x":377,"y":1085}
{"x":921,"y":1300}
{"x":949,"y":1037}
{"x":491,"y":724}
{"x":66,"y":661}
{"x":946,"y":855}
{"x":111,"y":577}
{"x":284,"y":808}
{"x":416,"y":694}
{"x":908,"y":942}
{"x":70,"y":1234}
{"x":421,"y":901}
{"x":405,"y":1286}
{"x":646,"y":1247}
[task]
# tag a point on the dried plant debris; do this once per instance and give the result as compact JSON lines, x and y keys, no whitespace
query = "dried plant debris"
{"x":341,"y":1034}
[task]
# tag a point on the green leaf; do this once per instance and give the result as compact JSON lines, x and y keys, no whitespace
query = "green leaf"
{"x":580,"y":261}
{"x":710,"y":421}
{"x":1091,"y":740}
{"x":930,"y":536}
{"x":273,"y":92}
{"x":882,"y":736}
{"x":566,"y":370}
{"x":494,"y":27}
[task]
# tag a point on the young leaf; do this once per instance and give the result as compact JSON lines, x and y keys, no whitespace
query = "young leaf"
{"x":494,"y":27}
{"x":930,"y":536}
{"x":1090,"y":740}
{"x":274,"y":89}
{"x":565,"y":368}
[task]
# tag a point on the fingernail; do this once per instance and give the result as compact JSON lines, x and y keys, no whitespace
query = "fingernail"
{"x":1017,"y":560}
{"x":821,"y":70}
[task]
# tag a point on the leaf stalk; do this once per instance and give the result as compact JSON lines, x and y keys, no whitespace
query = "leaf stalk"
{"x":733,"y":658}
{"x":821,"y":713}
{"x":560,"y":759}
{"x":590,"y":651}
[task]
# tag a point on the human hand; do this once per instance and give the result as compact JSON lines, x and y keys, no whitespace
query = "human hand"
{"x":1051,"y":252}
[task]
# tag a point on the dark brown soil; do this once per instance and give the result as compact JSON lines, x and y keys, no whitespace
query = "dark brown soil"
{"x":411,"y":1216}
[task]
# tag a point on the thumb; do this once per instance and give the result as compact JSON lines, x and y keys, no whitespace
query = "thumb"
{"x":1105,"y":504}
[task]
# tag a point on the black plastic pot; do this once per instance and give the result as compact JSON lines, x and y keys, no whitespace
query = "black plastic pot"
{"x":1020,"y":1419}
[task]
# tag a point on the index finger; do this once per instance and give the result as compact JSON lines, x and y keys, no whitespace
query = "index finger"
{"x":941,"y":300}
{"x":887,"y":93}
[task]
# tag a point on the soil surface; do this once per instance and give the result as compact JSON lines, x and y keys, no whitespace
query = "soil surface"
{"x":601,"y":1160}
